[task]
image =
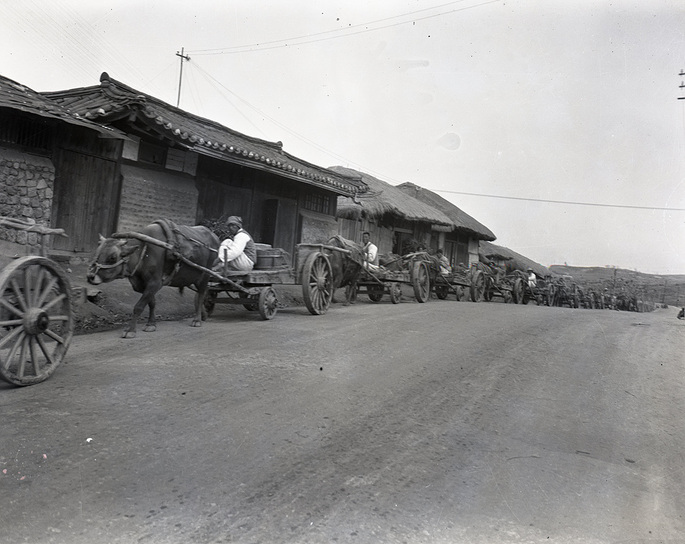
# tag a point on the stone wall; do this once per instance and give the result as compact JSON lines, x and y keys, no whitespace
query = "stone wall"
{"x":26,"y":190}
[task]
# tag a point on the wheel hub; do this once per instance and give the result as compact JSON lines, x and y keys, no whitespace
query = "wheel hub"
{"x":36,"y":321}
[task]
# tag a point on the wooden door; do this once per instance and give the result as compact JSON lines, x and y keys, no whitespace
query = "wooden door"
{"x":86,"y":196}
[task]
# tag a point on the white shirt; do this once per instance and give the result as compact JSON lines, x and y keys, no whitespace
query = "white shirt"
{"x":230,"y":249}
{"x":370,"y":253}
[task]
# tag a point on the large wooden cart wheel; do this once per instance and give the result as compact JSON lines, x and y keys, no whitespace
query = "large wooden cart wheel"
{"x":421,"y":281}
{"x":317,"y":283}
{"x":268,"y":303}
{"x":517,"y":291}
{"x":477,"y":286}
{"x":36,"y":320}
{"x":488,"y":289}
{"x":395,"y":293}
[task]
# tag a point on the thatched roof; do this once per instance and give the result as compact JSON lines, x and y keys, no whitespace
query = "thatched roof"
{"x":460,"y":219}
{"x":518,"y":261}
{"x":384,"y":199}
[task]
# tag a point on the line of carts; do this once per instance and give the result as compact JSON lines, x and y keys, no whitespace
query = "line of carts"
{"x":37,"y":310}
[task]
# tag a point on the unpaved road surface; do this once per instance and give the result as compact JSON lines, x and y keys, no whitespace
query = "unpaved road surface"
{"x":444,"y":422}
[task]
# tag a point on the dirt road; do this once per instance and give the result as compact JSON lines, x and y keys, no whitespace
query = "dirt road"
{"x":445,"y":422}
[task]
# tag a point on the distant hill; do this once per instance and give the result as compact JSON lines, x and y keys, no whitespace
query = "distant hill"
{"x":669,"y":289}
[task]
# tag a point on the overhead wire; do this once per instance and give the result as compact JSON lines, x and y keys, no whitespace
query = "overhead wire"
{"x":343,"y":32}
{"x":568,"y":202}
{"x":218,"y":86}
{"x":77,"y":37}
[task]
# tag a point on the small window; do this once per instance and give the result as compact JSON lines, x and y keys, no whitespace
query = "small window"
{"x":318,"y":203}
{"x":30,"y":134}
{"x":153,"y":154}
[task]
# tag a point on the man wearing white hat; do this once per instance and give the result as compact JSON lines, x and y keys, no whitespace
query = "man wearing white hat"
{"x":238,"y":251}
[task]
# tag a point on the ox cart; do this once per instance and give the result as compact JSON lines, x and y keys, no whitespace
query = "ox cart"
{"x":488,"y":282}
{"x":313,"y":270}
{"x":458,"y":281}
{"x":414,"y":269}
{"x":566,"y":292}
{"x":36,"y":316}
{"x":491,"y":281}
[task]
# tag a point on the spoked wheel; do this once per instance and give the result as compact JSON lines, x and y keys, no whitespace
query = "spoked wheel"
{"x":268,"y":303}
{"x":317,"y":283}
{"x":477,"y":286}
{"x":375,"y":292}
{"x":488,"y":290}
{"x":441,"y":291}
{"x":421,"y":281}
{"x":36,"y":320}
{"x":395,"y":293}
{"x":517,"y":291}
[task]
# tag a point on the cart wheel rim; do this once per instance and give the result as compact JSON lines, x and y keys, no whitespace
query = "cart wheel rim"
{"x":395,"y":293}
{"x":268,"y":303}
{"x":36,"y":320}
{"x":317,"y":283}
{"x":477,"y":286}
{"x":421,"y":281}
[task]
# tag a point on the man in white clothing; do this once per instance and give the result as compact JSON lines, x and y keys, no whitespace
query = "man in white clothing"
{"x":443,"y":263}
{"x":370,"y":252}
{"x":238,"y":251}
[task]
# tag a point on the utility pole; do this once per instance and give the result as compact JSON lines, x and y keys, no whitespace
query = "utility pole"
{"x":180,"y":76}
{"x":682,"y":85}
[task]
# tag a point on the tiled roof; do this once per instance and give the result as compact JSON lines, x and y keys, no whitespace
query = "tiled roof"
{"x":112,"y":100}
{"x":459,"y":218}
{"x":21,"y":98}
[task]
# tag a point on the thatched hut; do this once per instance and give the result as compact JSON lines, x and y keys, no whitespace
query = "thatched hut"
{"x":397,"y":222}
{"x":510,"y":260}
{"x":460,"y":241}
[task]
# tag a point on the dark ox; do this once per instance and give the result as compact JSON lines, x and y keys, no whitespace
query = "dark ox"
{"x":346,"y":266}
{"x":149,"y":267}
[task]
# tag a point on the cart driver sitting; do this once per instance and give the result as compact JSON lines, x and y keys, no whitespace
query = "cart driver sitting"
{"x":238,"y":251}
{"x":370,"y":252}
{"x":532,"y":279}
{"x":443,"y":263}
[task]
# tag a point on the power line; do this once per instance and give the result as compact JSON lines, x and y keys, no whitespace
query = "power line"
{"x":344,"y":32}
{"x":214,"y":82}
{"x":595,"y":204}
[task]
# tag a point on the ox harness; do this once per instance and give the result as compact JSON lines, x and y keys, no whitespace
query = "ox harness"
{"x":171,"y":232}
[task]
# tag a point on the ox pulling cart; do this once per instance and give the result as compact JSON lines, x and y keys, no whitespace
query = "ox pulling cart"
{"x":313,"y":270}
{"x":36,"y":317}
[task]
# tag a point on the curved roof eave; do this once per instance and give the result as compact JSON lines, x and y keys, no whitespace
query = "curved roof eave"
{"x":114,"y":100}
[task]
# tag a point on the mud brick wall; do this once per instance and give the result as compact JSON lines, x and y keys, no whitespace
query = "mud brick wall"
{"x":26,"y":190}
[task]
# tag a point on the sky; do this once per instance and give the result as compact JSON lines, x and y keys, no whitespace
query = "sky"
{"x":555,"y":123}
